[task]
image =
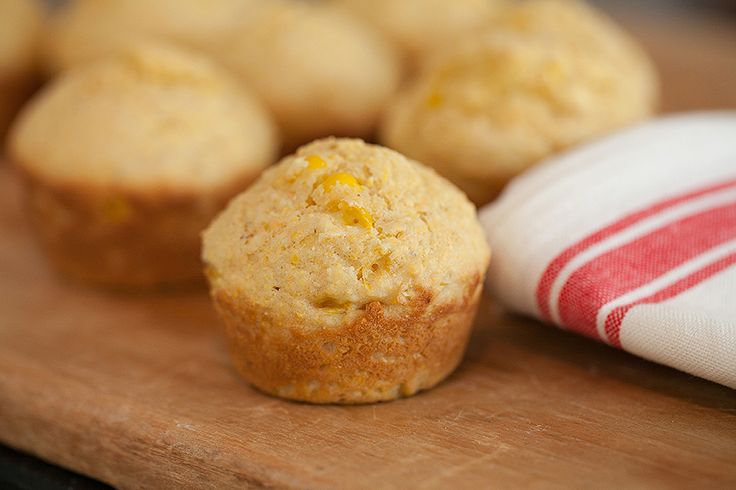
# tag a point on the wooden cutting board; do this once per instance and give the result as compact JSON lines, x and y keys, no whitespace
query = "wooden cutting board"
{"x":137,"y":390}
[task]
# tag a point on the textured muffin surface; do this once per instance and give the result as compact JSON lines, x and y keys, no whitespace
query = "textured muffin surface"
{"x":152,"y":117}
{"x":493,"y":105}
{"x":320,"y":71}
{"x":342,"y":224}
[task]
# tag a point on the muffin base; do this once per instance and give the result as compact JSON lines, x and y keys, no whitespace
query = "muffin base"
{"x":377,"y":357}
{"x":119,"y":238}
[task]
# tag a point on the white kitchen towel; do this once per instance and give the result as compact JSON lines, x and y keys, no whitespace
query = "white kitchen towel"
{"x":630,"y":240}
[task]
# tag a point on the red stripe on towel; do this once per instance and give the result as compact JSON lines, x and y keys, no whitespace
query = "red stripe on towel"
{"x":616,"y":317}
{"x":555,"y":266}
{"x":639,"y":262}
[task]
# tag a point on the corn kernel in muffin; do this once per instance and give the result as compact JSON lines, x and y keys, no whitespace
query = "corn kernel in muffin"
{"x":347,"y":273}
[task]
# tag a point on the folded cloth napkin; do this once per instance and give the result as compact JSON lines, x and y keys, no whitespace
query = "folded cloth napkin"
{"x":630,"y":240}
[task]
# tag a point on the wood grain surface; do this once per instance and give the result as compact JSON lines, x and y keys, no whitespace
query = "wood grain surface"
{"x":137,"y":390}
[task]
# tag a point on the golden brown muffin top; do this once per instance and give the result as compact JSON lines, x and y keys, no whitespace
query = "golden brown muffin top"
{"x":341,"y":224}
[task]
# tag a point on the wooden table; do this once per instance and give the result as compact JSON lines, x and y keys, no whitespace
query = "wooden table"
{"x":137,"y":390}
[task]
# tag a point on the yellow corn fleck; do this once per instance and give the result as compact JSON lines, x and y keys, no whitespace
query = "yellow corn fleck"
{"x":355,"y":215}
{"x":116,"y":209}
{"x":294,"y":260}
{"x":314,"y":162}
{"x":343,"y":178}
{"x":434,"y":99}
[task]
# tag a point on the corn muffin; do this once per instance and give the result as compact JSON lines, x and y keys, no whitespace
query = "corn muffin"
{"x":547,"y":76}
{"x":87,"y":29}
{"x":128,"y":159}
{"x":319,"y":70}
{"x":346,"y":274}
{"x":20,"y":28}
{"x":419,"y":27}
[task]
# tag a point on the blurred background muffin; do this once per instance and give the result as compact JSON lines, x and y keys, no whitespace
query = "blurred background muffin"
{"x":21,"y":24}
{"x":583,"y":28}
{"x":547,"y":75}
{"x":419,"y":27}
{"x":82,"y":30}
{"x":128,"y":158}
{"x":338,"y":267}
{"x":320,"y":71}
